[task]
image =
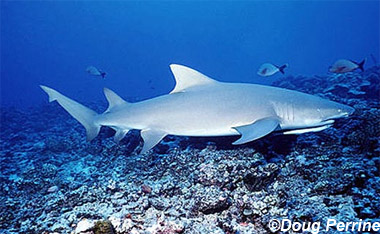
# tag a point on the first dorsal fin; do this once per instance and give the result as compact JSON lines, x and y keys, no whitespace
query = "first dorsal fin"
{"x":113,"y":99}
{"x":186,"y":77}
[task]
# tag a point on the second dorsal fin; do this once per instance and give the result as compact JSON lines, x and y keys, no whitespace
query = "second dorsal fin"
{"x":186,"y":77}
{"x":113,"y":99}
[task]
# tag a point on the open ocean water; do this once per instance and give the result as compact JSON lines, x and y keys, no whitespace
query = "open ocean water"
{"x":54,"y":181}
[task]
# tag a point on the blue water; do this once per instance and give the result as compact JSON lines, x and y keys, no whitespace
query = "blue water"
{"x":52,"y":43}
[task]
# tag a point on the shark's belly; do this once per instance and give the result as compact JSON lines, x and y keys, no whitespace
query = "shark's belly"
{"x":191,"y":124}
{"x":198,"y":115}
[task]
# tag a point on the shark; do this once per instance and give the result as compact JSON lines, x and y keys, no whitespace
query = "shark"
{"x":201,"y":106}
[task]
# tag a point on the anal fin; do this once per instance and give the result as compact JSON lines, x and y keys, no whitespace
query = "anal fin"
{"x":151,"y":138}
{"x":256,"y":130}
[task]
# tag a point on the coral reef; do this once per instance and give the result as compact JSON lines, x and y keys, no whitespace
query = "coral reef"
{"x":52,"y":180}
{"x":103,"y":227}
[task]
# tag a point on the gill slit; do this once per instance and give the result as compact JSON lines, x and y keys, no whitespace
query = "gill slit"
{"x":293,"y":112}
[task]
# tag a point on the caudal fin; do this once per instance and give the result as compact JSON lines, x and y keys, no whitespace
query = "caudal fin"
{"x":281,"y":69}
{"x":84,"y":115}
{"x":361,"y":64}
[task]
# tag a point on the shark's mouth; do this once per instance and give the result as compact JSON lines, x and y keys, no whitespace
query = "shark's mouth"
{"x":316,"y":128}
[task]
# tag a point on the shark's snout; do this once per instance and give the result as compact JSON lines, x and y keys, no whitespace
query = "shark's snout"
{"x":346,"y":111}
{"x":350,"y":110}
{"x":336,"y":111}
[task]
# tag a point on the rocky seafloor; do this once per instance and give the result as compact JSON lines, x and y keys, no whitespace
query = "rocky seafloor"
{"x":53,"y":181}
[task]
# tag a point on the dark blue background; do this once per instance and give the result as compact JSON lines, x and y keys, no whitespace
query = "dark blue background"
{"x":52,"y":43}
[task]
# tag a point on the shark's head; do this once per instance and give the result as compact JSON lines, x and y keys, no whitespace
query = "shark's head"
{"x":320,"y":112}
{"x":333,"y":110}
{"x":312,"y":112}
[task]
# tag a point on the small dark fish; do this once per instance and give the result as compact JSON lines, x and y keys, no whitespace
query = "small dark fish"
{"x":150,"y":84}
{"x":344,"y":65}
{"x":268,"y":69}
{"x":96,"y":72}
{"x":146,"y":188}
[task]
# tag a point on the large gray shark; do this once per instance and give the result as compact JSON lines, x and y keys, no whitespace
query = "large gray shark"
{"x":201,"y":106}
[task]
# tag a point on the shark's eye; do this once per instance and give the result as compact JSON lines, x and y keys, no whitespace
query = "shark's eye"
{"x":339,"y":110}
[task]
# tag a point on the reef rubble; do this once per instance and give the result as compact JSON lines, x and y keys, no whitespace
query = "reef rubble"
{"x":53,"y":181}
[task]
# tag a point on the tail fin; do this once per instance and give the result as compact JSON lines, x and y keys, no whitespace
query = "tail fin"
{"x":84,"y":115}
{"x":281,"y":69}
{"x":361,"y":64}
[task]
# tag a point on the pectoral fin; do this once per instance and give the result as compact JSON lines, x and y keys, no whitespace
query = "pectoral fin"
{"x":151,"y":138}
{"x":256,"y":130}
{"x":305,"y":130}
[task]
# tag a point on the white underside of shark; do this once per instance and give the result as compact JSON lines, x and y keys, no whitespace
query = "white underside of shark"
{"x":201,"y":106}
